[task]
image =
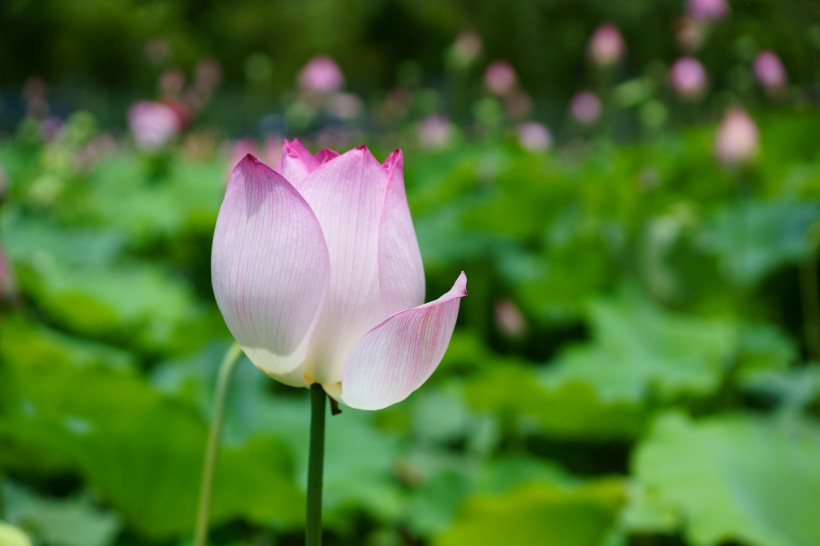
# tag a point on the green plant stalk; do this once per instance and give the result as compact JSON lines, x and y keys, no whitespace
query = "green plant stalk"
{"x":811,"y":306}
{"x":316,"y":460}
{"x":226,"y":368}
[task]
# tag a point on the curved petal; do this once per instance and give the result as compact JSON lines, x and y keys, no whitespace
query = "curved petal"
{"x":269,"y":268}
{"x":347,"y":194}
{"x":400,"y":268}
{"x":396,"y":357}
{"x":326,"y":154}
{"x":296,"y":162}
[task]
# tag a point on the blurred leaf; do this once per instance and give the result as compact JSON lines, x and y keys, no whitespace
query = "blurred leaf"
{"x":539,"y":514}
{"x":141,"y":451}
{"x":753,"y":238}
{"x":12,"y":536}
{"x":64,"y":522}
{"x":74,"y":277}
{"x":736,"y":477}
{"x":639,"y":351}
{"x":572,"y":408}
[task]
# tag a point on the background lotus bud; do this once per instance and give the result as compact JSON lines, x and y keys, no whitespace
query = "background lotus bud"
{"x":172,"y":83}
{"x":4,"y":181}
{"x":318,"y":275}
{"x":769,"y":71}
{"x":467,"y":48}
{"x":585,"y":107}
{"x":534,"y":137}
{"x":606,"y":46}
{"x":509,"y":319}
{"x":707,"y":10}
{"x":500,"y":78}
{"x":345,"y":106}
{"x":7,"y":284}
{"x":435,"y":132}
{"x":688,"y":78}
{"x":153,"y":124}
{"x":737,"y":140}
{"x":690,"y":33}
{"x":157,"y":51}
{"x":321,"y":75}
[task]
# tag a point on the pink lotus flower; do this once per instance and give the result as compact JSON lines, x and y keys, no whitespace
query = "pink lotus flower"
{"x":769,"y":71}
{"x":500,"y":78}
{"x":737,"y":140}
{"x":688,"y":78}
{"x":321,"y":75}
{"x":585,"y":107}
{"x":317,"y":272}
{"x":707,"y":10}
{"x":606,"y":47}
{"x":153,"y":124}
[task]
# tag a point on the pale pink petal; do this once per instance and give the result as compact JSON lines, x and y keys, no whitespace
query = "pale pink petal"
{"x":325,"y":155}
{"x":396,"y":357}
{"x":401,"y":272}
{"x":296,"y":162}
{"x":270,"y":269}
{"x":347,"y":195}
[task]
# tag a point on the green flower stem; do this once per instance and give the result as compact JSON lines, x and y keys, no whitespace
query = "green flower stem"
{"x":229,"y":362}
{"x":313,"y":530}
{"x":811,"y":306}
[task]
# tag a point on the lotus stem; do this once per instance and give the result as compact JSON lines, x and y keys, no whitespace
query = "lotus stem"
{"x":226,"y":368}
{"x":313,"y":528}
{"x":811,"y":306}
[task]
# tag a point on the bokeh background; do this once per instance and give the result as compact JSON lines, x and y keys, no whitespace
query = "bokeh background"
{"x":633,"y":189}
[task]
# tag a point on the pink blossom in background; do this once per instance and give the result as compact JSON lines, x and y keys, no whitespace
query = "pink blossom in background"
{"x":4,"y":181}
{"x":518,"y":104}
{"x":321,"y":75}
{"x":606,"y":46}
{"x":534,"y":136}
{"x":688,"y":78}
{"x":690,"y":33}
{"x":172,"y":83}
{"x":509,"y":319}
{"x":585,"y":107}
{"x":769,"y":70}
{"x":707,"y":10}
{"x":157,"y":51}
{"x":153,"y":124}
{"x":467,"y":48}
{"x":50,"y":128}
{"x":317,"y":272}
{"x":345,"y":106}
{"x":737,"y":140}
{"x":500,"y":78}
{"x":34,"y":92}
{"x":435,"y":132}
{"x":7,"y":284}
{"x":208,"y":73}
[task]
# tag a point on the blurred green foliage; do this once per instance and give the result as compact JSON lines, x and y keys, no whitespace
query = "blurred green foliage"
{"x":659,"y":391}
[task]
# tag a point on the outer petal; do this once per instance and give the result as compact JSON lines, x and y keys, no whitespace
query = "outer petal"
{"x":396,"y":357}
{"x":400,"y":269}
{"x":296,"y":162}
{"x":269,"y":268}
{"x":347,"y":194}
